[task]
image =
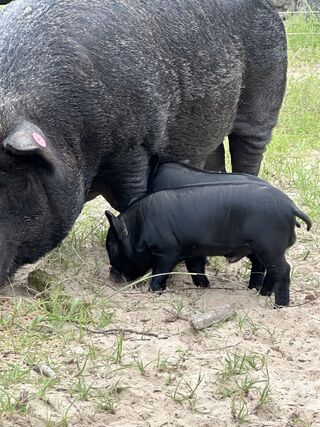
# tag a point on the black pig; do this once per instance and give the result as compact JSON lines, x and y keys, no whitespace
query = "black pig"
{"x":169,"y":175}
{"x":91,"y":90}
{"x":164,"y":176}
{"x":232,"y":220}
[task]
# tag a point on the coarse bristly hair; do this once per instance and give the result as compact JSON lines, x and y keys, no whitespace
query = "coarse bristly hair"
{"x":110,"y":83}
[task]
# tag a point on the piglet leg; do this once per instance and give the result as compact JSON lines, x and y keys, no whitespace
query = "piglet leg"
{"x":278,"y":280}
{"x":281,"y":291}
{"x":197,"y":265}
{"x":163,"y":264}
{"x":257,"y":273}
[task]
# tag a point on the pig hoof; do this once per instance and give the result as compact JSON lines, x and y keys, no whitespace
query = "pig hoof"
{"x":278,"y":307}
{"x":157,"y":288}
{"x":257,"y":287}
{"x":265,"y":292}
{"x":281,"y":303}
{"x":202,"y":282}
{"x":116,"y":277}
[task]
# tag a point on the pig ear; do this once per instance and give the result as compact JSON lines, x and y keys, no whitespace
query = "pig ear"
{"x":118,"y":224}
{"x":110,"y":217}
{"x":26,"y":139}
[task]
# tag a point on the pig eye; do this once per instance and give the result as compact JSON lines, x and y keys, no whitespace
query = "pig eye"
{"x":113,"y":250}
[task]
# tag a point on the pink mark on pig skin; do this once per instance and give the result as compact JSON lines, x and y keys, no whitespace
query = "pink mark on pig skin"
{"x":39,"y":140}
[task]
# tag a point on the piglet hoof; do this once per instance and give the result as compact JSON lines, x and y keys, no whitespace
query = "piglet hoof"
{"x":255,"y":286}
{"x":157,"y":287}
{"x":159,"y":293}
{"x":201,"y":282}
{"x":265,"y":292}
{"x":115,"y":276}
{"x":280,"y":303}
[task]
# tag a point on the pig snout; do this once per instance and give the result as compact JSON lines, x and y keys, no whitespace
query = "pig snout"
{"x":115,"y":276}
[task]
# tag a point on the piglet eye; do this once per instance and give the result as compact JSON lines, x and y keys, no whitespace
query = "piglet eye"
{"x":113,"y":250}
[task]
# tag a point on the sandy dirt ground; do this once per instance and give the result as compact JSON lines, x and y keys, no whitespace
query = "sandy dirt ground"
{"x":186,"y":378}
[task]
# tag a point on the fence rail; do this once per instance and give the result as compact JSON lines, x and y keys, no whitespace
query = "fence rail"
{"x":299,"y":12}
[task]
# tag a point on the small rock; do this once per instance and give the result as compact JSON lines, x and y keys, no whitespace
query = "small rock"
{"x":44,"y":370}
{"x":309,"y":297}
{"x":204,"y":320}
{"x":40,"y":280}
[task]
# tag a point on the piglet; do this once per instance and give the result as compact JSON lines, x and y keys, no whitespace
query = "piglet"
{"x":234,"y":220}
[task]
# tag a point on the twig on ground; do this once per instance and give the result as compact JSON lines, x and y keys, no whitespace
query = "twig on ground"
{"x":305,"y":302}
{"x":49,"y":403}
{"x":123,"y":331}
{"x":227,"y":346}
{"x":176,"y":316}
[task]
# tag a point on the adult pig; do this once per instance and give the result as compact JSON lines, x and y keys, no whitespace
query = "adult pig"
{"x":90,"y":90}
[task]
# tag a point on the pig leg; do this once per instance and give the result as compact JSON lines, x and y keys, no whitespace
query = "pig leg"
{"x":163,"y":264}
{"x":257,"y":273}
{"x":197,"y":265}
{"x":246,"y":156}
{"x":216,"y":160}
{"x":268,"y":284}
{"x":121,"y":181}
{"x":258,"y":110}
{"x":277,"y":280}
{"x":282,"y":292}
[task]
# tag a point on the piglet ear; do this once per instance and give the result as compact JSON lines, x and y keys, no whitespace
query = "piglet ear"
{"x":110,"y":216}
{"x":26,"y":139}
{"x":119,"y":225}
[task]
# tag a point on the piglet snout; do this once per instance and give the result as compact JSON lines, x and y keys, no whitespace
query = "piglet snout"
{"x":115,"y":276}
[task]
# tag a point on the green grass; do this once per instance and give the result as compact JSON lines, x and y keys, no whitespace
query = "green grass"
{"x":303,"y":38}
{"x":244,"y":379}
{"x":34,"y":334}
{"x":292,"y":160}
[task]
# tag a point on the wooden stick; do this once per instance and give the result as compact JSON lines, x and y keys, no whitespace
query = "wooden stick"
{"x":123,"y":330}
{"x":204,"y":320}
